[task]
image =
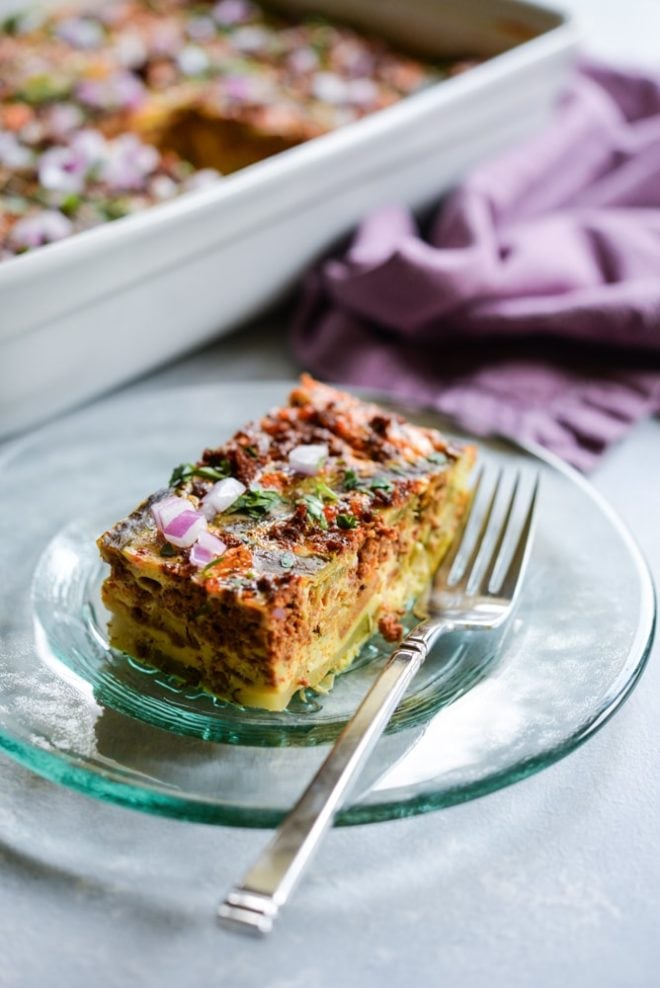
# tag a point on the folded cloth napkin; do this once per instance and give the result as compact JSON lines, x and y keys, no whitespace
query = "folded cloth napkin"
{"x":532,"y":307}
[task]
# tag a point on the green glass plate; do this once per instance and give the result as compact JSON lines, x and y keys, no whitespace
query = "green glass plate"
{"x":482,"y":713}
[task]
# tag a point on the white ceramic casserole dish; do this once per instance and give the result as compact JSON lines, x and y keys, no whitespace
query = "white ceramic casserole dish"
{"x":84,"y":314}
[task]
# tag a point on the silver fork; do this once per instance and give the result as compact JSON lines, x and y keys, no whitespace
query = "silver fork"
{"x":470,"y":599}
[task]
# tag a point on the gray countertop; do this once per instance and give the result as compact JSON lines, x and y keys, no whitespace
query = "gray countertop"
{"x":555,"y":880}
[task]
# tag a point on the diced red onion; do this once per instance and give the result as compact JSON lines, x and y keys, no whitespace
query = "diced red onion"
{"x":229,"y":12}
{"x":206,"y":548}
{"x":90,"y":145}
{"x":302,"y":60}
{"x":201,"y":179}
{"x":166,"y":39}
{"x":184,"y":530}
{"x":41,"y":228}
{"x":130,"y":50}
{"x":62,"y":170}
{"x":128,"y":163}
{"x":81,"y":32}
{"x":330,"y":88}
{"x":362,"y":92}
{"x":250,"y":39}
{"x":163,"y":187}
{"x":166,"y":510}
{"x":192,"y":60}
{"x":63,"y":118}
{"x":200,"y":28}
{"x":221,"y":496}
{"x":308,"y":459}
{"x":119,"y":91}
{"x":12,"y":153}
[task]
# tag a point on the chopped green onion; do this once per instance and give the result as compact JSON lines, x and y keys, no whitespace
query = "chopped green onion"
{"x":314,"y":506}
{"x":324,"y":492}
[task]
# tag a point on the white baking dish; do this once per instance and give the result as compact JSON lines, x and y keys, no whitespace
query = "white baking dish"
{"x":87,"y":313}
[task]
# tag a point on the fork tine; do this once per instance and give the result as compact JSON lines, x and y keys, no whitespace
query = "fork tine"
{"x":469,"y":565}
{"x":442,"y":574}
{"x":516,"y":568}
{"x":487,"y":577}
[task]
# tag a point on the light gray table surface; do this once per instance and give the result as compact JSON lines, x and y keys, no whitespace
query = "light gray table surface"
{"x":552,"y":882}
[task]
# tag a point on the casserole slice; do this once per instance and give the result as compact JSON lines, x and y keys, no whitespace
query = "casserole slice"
{"x":264,"y":567}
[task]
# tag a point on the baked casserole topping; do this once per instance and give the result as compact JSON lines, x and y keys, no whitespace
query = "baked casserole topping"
{"x":109,"y":109}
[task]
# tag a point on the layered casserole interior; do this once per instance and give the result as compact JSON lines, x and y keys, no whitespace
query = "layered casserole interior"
{"x":265,"y":566}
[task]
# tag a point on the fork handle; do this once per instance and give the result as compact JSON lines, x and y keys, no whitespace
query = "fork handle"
{"x":253,"y":905}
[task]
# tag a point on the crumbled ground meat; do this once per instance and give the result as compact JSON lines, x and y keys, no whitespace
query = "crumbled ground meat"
{"x":390,"y":628}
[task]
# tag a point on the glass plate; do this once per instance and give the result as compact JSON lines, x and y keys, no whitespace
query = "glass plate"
{"x":482,"y":713}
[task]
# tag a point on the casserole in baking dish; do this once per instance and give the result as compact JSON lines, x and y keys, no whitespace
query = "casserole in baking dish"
{"x":88,"y":312}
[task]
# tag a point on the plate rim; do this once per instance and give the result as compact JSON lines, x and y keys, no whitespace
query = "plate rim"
{"x":63,"y":768}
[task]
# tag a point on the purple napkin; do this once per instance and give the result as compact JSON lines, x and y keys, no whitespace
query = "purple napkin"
{"x":532,"y":304}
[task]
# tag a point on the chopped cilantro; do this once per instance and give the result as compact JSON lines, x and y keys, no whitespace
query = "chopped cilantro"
{"x":113,"y":209}
{"x":251,"y":451}
{"x":314,"y":506}
{"x":218,"y":472}
{"x":181,"y":473}
{"x":324,"y":492}
{"x":436,"y":457}
{"x":255,"y":503}
{"x":187,"y":470}
{"x":347,"y":521}
{"x":351,"y":480}
{"x":288,"y":560}
{"x":43,"y":88}
{"x":167,"y":550}
{"x":70,"y":203}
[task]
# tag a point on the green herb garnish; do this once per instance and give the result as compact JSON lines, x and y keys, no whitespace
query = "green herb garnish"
{"x":255,"y":503}
{"x":12,"y":24}
{"x":315,"y":512}
{"x":347,"y":521}
{"x":436,"y":457}
{"x":187,"y":470}
{"x":70,"y":203}
{"x":167,"y":550}
{"x":214,"y":562}
{"x":288,"y":560}
{"x":251,"y":451}
{"x":43,"y":88}
{"x":381,"y":484}
{"x":324,"y":492}
{"x":113,"y":209}
{"x":351,"y":480}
